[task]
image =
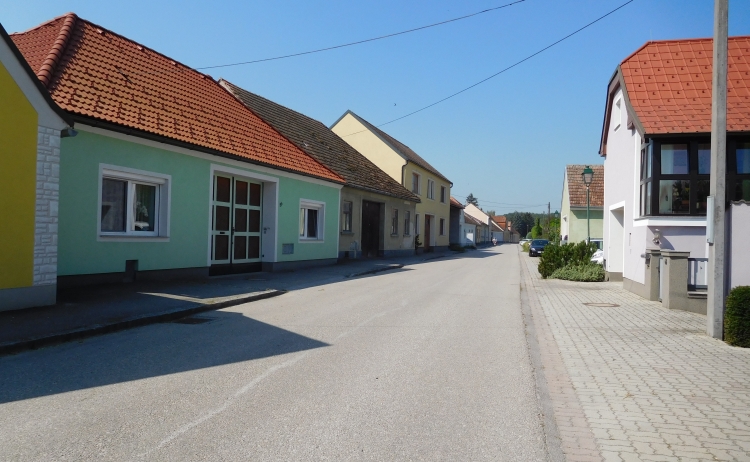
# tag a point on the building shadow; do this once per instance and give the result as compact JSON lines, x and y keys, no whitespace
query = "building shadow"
{"x":156,"y":350}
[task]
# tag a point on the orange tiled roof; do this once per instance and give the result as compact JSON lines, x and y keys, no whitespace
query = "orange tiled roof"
{"x":500,"y":220}
{"x":456,"y":203}
{"x":95,"y":73}
{"x":669,"y":85}
{"x":577,"y":189}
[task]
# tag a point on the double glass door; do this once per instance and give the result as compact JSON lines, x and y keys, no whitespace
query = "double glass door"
{"x":236,"y":221}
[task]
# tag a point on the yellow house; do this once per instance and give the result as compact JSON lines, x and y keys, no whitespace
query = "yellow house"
{"x":412,"y":171}
{"x":30,"y":129}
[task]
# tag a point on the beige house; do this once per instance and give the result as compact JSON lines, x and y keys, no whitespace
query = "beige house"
{"x":376,"y":213}
{"x":432,"y":218}
{"x":573,"y":223}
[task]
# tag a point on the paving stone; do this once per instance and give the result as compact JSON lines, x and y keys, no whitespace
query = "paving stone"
{"x":638,"y":381}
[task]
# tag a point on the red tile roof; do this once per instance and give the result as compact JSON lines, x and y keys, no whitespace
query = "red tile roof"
{"x":456,"y":203}
{"x":471,"y":220}
{"x":669,"y":85}
{"x":577,"y":189}
{"x":500,"y":220}
{"x":97,"y":74}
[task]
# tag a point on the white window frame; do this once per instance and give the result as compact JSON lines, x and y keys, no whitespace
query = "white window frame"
{"x":430,"y":189}
{"x":419,"y":183}
{"x":309,"y":204}
{"x":441,"y":225}
{"x":416,"y":224}
{"x":443,"y":197}
{"x":394,"y":222}
{"x":407,"y":223}
{"x":617,"y":116}
{"x":163,"y":184}
{"x":344,"y":216}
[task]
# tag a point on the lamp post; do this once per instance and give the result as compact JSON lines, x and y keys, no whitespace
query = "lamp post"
{"x":588,"y":176}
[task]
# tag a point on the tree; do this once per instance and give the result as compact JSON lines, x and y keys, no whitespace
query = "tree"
{"x":521,"y":221}
{"x":490,"y":213}
{"x":470,"y":199}
{"x":537,"y":230}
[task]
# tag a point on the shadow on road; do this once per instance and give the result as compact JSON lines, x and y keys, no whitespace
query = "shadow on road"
{"x":156,"y":350}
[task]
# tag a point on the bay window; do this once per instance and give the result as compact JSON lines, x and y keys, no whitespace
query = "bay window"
{"x":675,"y":175}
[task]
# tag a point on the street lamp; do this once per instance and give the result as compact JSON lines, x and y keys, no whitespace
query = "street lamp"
{"x":588,"y":177}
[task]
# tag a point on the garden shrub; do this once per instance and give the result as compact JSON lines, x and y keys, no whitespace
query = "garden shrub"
{"x":525,"y":246}
{"x":557,"y":256}
{"x":737,"y":317}
{"x":583,"y":272}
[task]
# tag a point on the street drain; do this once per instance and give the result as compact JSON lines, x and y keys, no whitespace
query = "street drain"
{"x":192,"y":320}
{"x":602,"y":305}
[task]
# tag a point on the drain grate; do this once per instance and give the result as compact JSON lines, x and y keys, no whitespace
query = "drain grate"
{"x":602,"y":305}
{"x":192,"y":320}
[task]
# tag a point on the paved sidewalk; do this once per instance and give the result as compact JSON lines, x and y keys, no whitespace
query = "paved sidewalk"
{"x":636,"y":381}
{"x":95,"y":310}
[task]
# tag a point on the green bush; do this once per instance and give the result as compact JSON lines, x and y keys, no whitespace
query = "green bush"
{"x":585,"y":272}
{"x":557,"y":256}
{"x":525,"y":246}
{"x":737,"y":317}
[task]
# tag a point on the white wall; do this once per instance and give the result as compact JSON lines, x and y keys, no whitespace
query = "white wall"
{"x":739,"y":274}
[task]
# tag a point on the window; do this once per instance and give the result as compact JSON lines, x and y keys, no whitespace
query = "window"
{"x":415,"y":183}
{"x":416,"y":223}
{"x":311,"y":220}
{"x":617,"y":114}
{"x":430,"y":189}
{"x":394,"y":223}
{"x":133,"y":203}
{"x":407,"y":223}
{"x":346,"y":219}
{"x":443,"y":191}
{"x":738,"y":184}
{"x":442,"y":226}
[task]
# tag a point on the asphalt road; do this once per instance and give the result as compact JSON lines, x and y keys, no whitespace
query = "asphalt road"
{"x":425,"y":363}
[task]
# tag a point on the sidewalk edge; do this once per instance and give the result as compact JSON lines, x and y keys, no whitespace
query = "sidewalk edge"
{"x":100,"y":329}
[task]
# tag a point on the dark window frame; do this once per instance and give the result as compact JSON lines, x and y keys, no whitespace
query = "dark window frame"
{"x":346,"y":222}
{"x":394,"y":223}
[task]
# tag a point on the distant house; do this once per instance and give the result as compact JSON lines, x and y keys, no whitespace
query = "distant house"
{"x":485,"y":226}
{"x":656,"y":146}
{"x":573,"y":222}
{"x":170,"y":176}
{"x":408,"y":168}
{"x":455,"y":236}
{"x":470,"y":230}
{"x":31,"y":126}
{"x":377,"y":214}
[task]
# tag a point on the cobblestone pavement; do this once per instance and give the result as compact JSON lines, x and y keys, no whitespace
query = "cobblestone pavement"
{"x":636,"y":381}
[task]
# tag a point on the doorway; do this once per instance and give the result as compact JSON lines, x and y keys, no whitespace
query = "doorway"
{"x":428,"y":233}
{"x":371,"y":229}
{"x":235,"y":225}
{"x":616,"y":245}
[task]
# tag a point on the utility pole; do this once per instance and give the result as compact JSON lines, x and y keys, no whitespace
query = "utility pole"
{"x":549,"y":224}
{"x":715,"y":234}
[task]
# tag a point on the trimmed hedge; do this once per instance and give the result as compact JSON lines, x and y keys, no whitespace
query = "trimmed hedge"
{"x":589,"y":272}
{"x":558,"y":256}
{"x":737,"y":317}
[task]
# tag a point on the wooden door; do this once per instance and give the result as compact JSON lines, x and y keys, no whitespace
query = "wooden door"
{"x":371,"y":229}
{"x":235,"y":224}
{"x":427,"y":233}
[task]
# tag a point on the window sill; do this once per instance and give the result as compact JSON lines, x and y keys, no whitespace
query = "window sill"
{"x":394,"y":235}
{"x":670,"y":220}
{"x":347,"y":233}
{"x":131,"y":238}
{"x":311,"y":241}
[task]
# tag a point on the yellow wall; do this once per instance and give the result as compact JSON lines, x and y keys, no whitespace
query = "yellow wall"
{"x":369,"y":145}
{"x":430,"y":206}
{"x":18,"y":132}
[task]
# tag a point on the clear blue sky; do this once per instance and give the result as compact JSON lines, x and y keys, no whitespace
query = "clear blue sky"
{"x":506,"y":141}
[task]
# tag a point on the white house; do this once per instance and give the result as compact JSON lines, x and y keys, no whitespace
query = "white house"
{"x":469,"y":230}
{"x":656,"y":147}
{"x":483,"y":226}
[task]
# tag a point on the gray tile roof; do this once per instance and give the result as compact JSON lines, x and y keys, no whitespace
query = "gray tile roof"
{"x":405,"y":150}
{"x":321,"y":143}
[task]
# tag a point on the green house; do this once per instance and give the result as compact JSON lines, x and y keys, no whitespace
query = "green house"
{"x":168,"y":175}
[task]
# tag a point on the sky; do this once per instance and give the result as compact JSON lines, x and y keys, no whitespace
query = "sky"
{"x":507,"y":141}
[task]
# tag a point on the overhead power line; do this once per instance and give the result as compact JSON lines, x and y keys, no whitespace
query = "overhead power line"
{"x":364,"y":41}
{"x":501,"y":71}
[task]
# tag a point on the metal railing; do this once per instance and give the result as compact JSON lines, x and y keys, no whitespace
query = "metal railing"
{"x":697,"y":274}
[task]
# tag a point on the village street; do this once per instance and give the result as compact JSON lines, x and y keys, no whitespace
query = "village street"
{"x":425,"y":363}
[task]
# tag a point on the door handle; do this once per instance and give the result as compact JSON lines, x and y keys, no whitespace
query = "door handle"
{"x":222,"y":232}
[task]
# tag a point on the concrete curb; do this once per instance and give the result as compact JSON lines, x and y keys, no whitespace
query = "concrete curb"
{"x":165,"y":316}
{"x":553,"y":442}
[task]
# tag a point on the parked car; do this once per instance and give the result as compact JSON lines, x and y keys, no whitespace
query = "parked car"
{"x":599,"y":243}
{"x":523,"y":241}
{"x":598,"y":257}
{"x":537,"y":247}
